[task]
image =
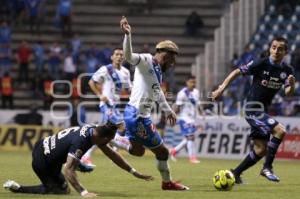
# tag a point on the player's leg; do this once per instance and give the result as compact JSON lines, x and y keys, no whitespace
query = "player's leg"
{"x":278,"y":135}
{"x":39,"y":167}
{"x":251,"y":159}
{"x":162,"y":154}
{"x":192,"y":149}
{"x":183,"y":143}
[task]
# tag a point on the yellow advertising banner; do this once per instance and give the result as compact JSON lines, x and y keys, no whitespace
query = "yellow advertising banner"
{"x":23,"y":137}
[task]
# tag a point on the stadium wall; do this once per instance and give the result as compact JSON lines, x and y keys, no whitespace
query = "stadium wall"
{"x":225,"y":138}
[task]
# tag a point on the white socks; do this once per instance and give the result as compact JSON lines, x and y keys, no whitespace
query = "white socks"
{"x":121,"y":142}
{"x":191,"y":148}
{"x":181,"y":145}
{"x":88,"y":154}
{"x":163,"y":167}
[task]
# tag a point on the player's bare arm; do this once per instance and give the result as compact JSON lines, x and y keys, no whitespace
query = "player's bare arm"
{"x":71,"y":176}
{"x":97,"y":89}
{"x":290,"y":90}
{"x":122,"y":163}
{"x":232,"y":76}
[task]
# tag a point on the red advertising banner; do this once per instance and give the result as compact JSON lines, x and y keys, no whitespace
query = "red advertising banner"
{"x":290,"y":147}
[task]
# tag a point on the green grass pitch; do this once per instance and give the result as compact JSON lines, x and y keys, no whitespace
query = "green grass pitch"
{"x":111,"y":182}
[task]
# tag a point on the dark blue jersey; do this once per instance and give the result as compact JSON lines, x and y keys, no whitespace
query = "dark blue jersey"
{"x":73,"y":141}
{"x":268,"y":79}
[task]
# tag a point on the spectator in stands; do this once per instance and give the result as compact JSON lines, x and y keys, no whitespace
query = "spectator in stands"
{"x":69,"y":66}
{"x":33,"y":12}
{"x":54,"y":60}
{"x":145,"y":48}
{"x":284,"y":8}
{"x":5,"y":33}
{"x":48,"y":98}
{"x":193,"y":24}
{"x":296,"y":63}
{"x":77,"y":120}
{"x":7,"y":91}
{"x":39,"y":57}
{"x":4,"y":9}
{"x":17,"y":8}
{"x":76,"y":45}
{"x":5,"y":59}
{"x":23,"y":59}
{"x":91,"y":62}
{"x":105,"y":54}
{"x":64,"y":11}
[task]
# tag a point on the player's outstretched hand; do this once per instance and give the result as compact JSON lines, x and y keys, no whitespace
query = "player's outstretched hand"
{"x":291,"y":80}
{"x":171,"y":118}
{"x":124,"y":25}
{"x":216,"y":94}
{"x":142,"y":176}
{"x":89,"y":195}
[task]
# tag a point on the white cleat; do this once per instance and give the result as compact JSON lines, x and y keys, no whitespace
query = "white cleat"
{"x":11,"y":185}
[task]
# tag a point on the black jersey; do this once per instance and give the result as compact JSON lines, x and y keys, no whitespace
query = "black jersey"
{"x":73,"y":141}
{"x":268,"y":79}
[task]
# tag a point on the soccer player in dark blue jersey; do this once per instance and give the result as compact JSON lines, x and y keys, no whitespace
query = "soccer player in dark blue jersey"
{"x":67,"y":147}
{"x":270,"y":74}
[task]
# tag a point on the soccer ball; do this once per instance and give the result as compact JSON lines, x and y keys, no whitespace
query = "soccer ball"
{"x":223,"y":180}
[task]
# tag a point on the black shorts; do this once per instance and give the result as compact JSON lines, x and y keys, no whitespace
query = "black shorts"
{"x":49,"y":174}
{"x":261,"y":124}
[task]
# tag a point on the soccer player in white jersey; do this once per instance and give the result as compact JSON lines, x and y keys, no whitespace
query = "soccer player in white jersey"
{"x":107,"y":83}
{"x":187,"y":108}
{"x":145,"y":91}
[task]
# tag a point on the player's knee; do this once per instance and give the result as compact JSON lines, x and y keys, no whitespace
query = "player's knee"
{"x":279,"y":131}
{"x":163,"y":154}
{"x":261,"y":151}
{"x":138,"y":153}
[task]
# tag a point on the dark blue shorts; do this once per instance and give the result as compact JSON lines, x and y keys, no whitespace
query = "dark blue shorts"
{"x":141,"y":129}
{"x":261,"y":124}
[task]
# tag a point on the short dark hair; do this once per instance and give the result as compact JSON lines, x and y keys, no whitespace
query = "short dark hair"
{"x":191,"y":77}
{"x":280,"y":39}
{"x":107,"y":130}
{"x":116,"y":48}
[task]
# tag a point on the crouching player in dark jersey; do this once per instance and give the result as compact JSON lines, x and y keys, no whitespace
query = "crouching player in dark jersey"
{"x":269,"y":76}
{"x":67,"y":147}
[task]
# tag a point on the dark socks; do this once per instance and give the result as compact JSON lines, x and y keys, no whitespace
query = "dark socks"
{"x":251,"y":159}
{"x":273,"y":145}
{"x":38,"y":189}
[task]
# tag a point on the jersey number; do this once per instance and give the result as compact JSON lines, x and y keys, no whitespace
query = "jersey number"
{"x":65,"y":132}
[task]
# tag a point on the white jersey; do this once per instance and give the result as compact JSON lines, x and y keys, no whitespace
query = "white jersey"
{"x":146,"y":85}
{"x":188,"y":102}
{"x":103,"y":76}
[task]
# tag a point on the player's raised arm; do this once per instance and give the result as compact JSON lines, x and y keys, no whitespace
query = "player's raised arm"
{"x":290,"y":85}
{"x":71,"y":176}
{"x":131,"y":57}
{"x":121,"y":162}
{"x":232,"y":76}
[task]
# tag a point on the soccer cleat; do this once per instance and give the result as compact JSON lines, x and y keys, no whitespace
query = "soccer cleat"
{"x":11,"y":185}
{"x":269,"y":174}
{"x":238,"y":179}
{"x":173,"y":155}
{"x":82,"y":167}
{"x":87,"y":161}
{"x":194,"y":160}
{"x":173,"y":186}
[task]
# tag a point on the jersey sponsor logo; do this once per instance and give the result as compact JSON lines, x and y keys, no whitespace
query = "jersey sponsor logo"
{"x":151,"y":71}
{"x":155,"y":86}
{"x":274,"y":78}
{"x":283,"y":75}
{"x":271,"y":84}
{"x":271,"y":121}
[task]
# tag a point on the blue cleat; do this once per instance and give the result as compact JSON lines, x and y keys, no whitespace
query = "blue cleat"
{"x":84,"y":168}
{"x":268,"y":173}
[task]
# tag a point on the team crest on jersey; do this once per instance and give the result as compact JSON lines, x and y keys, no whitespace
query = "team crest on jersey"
{"x":271,"y":121}
{"x":283,"y":75}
